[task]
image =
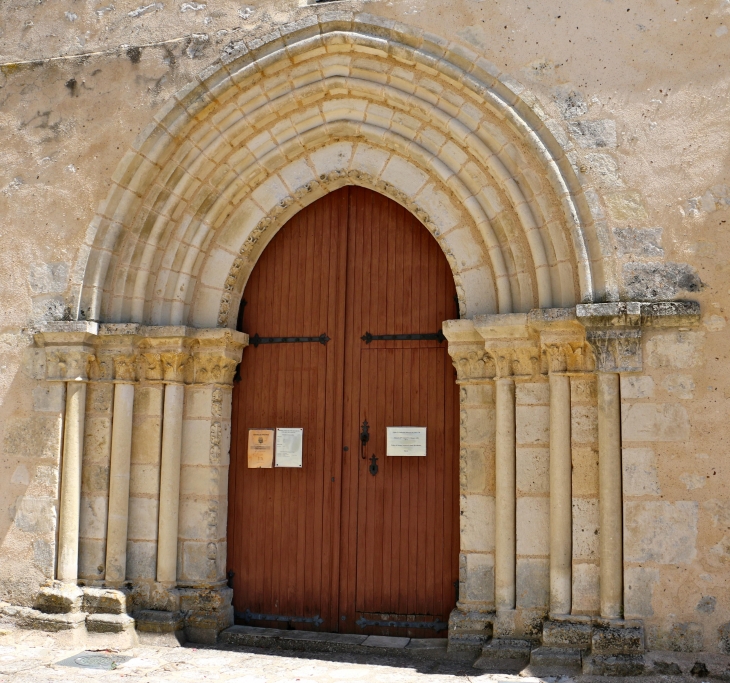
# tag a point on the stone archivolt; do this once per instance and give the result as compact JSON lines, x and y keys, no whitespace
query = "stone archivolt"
{"x":332,"y":100}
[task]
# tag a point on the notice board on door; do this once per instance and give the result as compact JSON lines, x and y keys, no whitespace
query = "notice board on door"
{"x":289,"y":446}
{"x":260,"y":448}
{"x":406,"y":441}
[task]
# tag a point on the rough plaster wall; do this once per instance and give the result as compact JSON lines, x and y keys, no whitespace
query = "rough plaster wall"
{"x":643,"y":95}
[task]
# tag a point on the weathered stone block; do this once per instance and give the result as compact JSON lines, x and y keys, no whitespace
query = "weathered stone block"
{"x":109,"y":623}
{"x":60,"y":598}
{"x":586,"y":597}
{"x":532,"y":424}
{"x":92,"y":558}
{"x":93,"y":517}
{"x":105,"y":601}
{"x":681,"y":386}
{"x":566,"y":634}
{"x":640,"y":472}
{"x":36,"y":515}
{"x":583,"y":390}
{"x":613,"y":641}
{"x":585,"y":471}
{"x":613,"y":665}
{"x":142,"y":524}
{"x":533,"y":470}
{"x":97,"y":440}
{"x":593,"y":134}
{"x":639,"y":585}
{"x":147,"y":441}
{"x":585,"y":528}
{"x":156,"y":621}
{"x":477,"y":469}
{"x":533,"y":583}
{"x":660,"y":531}
{"x":654,"y":422}
{"x":46,"y":278}
{"x":199,"y":561}
{"x":584,"y":424}
{"x":477,"y":425}
{"x":144,"y":480}
{"x":533,"y":526}
{"x":477,"y":523}
{"x":554,"y":661}
{"x":639,"y":242}
{"x":198,"y":402}
{"x":49,"y":398}
{"x":677,"y":637}
{"x":141,"y":559}
{"x":479,"y":578}
{"x":477,"y":394}
{"x":659,"y":281}
{"x":532,"y":393}
{"x":676,"y":350}
{"x":32,"y":438}
{"x":148,"y":401}
{"x":637,"y":386}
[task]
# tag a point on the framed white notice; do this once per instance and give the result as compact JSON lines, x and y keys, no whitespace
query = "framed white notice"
{"x":406,"y":441}
{"x":289,"y":446}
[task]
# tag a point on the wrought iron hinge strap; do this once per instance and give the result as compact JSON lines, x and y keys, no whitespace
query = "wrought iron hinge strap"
{"x":248,"y":615}
{"x":433,"y":336}
{"x":256,"y":340}
{"x":435,"y":625}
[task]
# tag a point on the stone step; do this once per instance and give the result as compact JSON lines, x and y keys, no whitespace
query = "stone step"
{"x":504,"y":655}
{"x":313,"y":641}
{"x":555,"y":661}
{"x":109,"y":623}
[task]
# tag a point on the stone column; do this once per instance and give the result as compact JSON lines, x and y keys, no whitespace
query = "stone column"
{"x":204,"y":484}
{"x":470,"y":624}
{"x":610,"y":494}
{"x":69,"y":352}
{"x":505,"y":495}
{"x":561,"y":497}
{"x":70,"y":503}
{"x":121,"y":453}
{"x":614,"y":331}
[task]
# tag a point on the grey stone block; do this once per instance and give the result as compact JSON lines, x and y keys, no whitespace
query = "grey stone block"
{"x":157,"y":621}
{"x":566,"y":634}
{"x":607,"y":640}
{"x":105,"y":601}
{"x":40,"y":621}
{"x":504,"y":654}
{"x":427,"y":644}
{"x":555,"y":661}
{"x":614,"y":665}
{"x":60,"y":598}
{"x":109,"y":623}
{"x":385,"y":641}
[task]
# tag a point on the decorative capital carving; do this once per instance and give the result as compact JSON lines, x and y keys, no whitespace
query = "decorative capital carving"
{"x":68,"y":364}
{"x":568,"y":356}
{"x":616,"y":349}
{"x":518,"y":359}
{"x":176,"y":366}
{"x":471,"y":362}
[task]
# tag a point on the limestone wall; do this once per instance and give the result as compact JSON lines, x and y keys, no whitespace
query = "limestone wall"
{"x":636,"y":96}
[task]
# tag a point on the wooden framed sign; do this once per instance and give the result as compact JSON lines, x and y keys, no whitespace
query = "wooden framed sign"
{"x":260,"y":448}
{"x":403,"y":441}
{"x":289,"y":446}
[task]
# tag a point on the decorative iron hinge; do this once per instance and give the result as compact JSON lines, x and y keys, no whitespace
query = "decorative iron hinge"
{"x":435,"y":336}
{"x":437,"y":626}
{"x":256,"y":340}
{"x":248,"y":615}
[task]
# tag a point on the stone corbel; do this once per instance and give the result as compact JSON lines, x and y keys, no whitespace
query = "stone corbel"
{"x":614,"y":330}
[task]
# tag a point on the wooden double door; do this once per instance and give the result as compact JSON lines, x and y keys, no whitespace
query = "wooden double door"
{"x":347,"y":543}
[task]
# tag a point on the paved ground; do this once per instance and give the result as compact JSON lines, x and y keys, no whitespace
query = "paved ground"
{"x":21,"y":664}
{"x":36,"y":664}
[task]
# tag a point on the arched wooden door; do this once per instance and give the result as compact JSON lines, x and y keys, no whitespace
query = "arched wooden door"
{"x":347,"y":543}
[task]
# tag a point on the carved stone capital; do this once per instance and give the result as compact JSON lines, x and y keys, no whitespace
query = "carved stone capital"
{"x":217,"y":353}
{"x":69,"y":350}
{"x":616,"y":349}
{"x":518,"y":359}
{"x":471,"y":362}
{"x":568,"y":356}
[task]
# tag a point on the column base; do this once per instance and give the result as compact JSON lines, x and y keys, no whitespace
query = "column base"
{"x":208,"y":611}
{"x":504,"y":655}
{"x":519,"y":623}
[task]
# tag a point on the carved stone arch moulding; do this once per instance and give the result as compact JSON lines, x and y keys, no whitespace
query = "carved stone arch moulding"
{"x":339,"y":98}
